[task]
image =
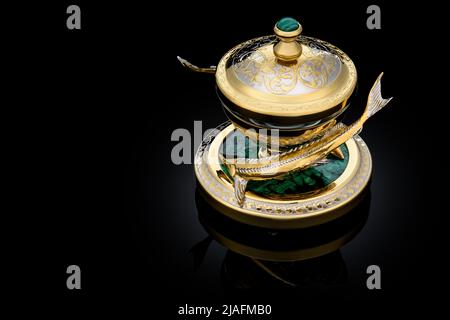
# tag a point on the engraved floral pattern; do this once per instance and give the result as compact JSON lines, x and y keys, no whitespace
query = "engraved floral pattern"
{"x":259,"y":70}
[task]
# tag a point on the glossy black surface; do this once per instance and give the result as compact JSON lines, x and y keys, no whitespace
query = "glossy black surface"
{"x":94,"y":112}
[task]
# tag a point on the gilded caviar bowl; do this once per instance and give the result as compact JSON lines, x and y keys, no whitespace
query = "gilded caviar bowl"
{"x":285,"y":159}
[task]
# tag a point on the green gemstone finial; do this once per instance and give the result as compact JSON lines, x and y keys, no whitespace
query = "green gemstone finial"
{"x":287,"y":24}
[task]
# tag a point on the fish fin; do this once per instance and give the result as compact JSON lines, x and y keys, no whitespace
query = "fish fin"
{"x":321,"y":162}
{"x":240,"y":184}
{"x":338,"y":153}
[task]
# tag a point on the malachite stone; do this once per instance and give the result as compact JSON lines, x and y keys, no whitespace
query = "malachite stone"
{"x":307,"y":180}
{"x":287,"y":24}
{"x":297,"y":182}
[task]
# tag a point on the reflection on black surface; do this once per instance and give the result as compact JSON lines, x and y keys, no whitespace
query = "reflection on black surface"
{"x":239,"y":271}
{"x":265,"y":258}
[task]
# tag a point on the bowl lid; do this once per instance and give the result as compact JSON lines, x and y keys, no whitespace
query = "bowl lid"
{"x":286,"y":74}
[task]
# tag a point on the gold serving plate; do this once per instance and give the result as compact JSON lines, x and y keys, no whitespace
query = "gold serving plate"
{"x":287,"y":93}
{"x":297,"y":211}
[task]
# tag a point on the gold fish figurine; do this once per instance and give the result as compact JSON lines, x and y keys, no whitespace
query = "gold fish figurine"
{"x":303,"y":156}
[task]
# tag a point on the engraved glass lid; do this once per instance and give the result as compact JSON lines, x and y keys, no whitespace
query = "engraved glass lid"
{"x":286,"y":74}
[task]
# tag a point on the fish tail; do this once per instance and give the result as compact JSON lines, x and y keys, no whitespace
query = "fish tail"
{"x":375,"y":101}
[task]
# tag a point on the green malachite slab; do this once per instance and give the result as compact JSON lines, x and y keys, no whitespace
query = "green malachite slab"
{"x":298,"y":182}
{"x":307,"y":180}
{"x":287,"y":24}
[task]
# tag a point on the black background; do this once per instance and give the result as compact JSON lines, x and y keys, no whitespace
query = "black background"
{"x":92,"y":115}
